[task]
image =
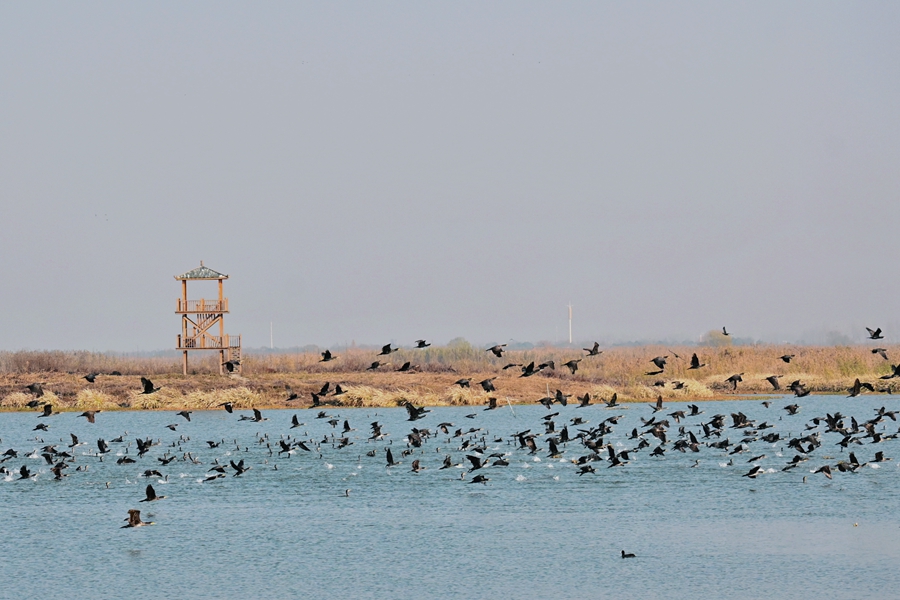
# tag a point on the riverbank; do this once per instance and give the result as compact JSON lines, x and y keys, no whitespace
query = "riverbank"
{"x":289,"y":380}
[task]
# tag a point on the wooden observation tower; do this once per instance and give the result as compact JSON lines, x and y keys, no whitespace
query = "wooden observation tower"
{"x":199,"y":319}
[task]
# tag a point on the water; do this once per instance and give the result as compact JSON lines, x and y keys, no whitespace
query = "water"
{"x":537,"y":529}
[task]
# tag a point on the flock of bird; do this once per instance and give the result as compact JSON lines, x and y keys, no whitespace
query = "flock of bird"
{"x":586,"y":440}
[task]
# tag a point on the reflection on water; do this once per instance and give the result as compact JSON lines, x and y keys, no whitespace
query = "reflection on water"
{"x":288,"y":528}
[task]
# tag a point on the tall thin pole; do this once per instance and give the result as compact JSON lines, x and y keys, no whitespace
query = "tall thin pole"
{"x":570,"y":322}
{"x":271,"y":336}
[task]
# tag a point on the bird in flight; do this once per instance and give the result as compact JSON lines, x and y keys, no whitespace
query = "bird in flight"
{"x":134,"y":519}
{"x":725,"y":332}
{"x":148,"y":386}
{"x":327,"y":356}
{"x":497,"y":350}
{"x":422,"y":344}
{"x":594,"y":351}
{"x":875,"y":335}
{"x":695,"y":362}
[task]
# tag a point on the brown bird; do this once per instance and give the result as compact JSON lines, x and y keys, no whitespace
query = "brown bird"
{"x":134,"y":519}
{"x":734,"y":379}
{"x":595,"y":351}
{"x":572,"y":364}
{"x":773,"y":379}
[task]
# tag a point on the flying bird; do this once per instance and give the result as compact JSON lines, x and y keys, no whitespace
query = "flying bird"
{"x":385,"y":350}
{"x":422,"y":344}
{"x":593,"y":351}
{"x":695,"y":362}
{"x":572,"y":364}
{"x":497,"y":350}
{"x":875,"y":335}
{"x":327,"y":356}
{"x":151,"y":494}
{"x":147,"y":386}
{"x":134,"y":519}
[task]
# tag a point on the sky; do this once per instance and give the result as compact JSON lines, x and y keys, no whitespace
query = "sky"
{"x":374,"y":172}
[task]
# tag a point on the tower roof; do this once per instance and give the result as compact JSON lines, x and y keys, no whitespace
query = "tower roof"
{"x":201,"y":272}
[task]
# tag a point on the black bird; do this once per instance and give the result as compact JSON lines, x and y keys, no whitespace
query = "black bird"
{"x":325,"y":389}
{"x":295,"y":422}
{"x":338,"y":390}
{"x":695,"y":362}
{"x":734,"y":379}
{"x":148,"y":386}
{"x":787,"y":357}
{"x":627,"y":555}
{"x":613,"y":401}
{"x":405,"y":367}
{"x":256,"y":418}
{"x":584,"y":400}
{"x":594,"y":351}
{"x":230,"y":365}
{"x":754,"y":472}
{"x":421,"y":344}
{"x":480,"y":479}
{"x":895,"y":372}
{"x":464,"y":383}
{"x":492,"y":403}
{"x":48,"y":410}
{"x":239,"y":468}
{"x":416,"y":467}
{"x":572,"y":364}
{"x":228,"y":406}
{"x":725,"y":332}
{"x":373,"y":366}
{"x":511,"y":365}
{"x":185,"y":413}
{"x":857,"y":387}
{"x":562,"y":398}
{"x":385,"y":350}
{"x":660,"y":362}
{"x":528,"y":370}
{"x":327,"y":356}
{"x":488,"y":385}
{"x":825,"y":469}
{"x":151,"y":495}
{"x":875,"y":335}
{"x":881,"y":351}
{"x":773,"y":379}
{"x":40,"y":427}
{"x":134,"y":519}
{"x":414,"y":412}
{"x":90,"y":377}
{"x":390,"y":458}
{"x":497,"y":350}
{"x":24,"y":473}
{"x":36,"y":388}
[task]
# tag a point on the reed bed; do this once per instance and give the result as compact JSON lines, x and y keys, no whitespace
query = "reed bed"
{"x":268,"y":380}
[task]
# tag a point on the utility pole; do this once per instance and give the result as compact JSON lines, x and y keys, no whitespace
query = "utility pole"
{"x":570,"y":322}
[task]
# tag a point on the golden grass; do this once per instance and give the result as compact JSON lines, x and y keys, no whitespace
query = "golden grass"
{"x":268,"y":380}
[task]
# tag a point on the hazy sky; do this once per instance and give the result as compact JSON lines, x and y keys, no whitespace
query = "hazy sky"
{"x":389,"y":171}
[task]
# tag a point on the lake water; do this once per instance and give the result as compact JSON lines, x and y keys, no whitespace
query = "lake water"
{"x":536,"y":530}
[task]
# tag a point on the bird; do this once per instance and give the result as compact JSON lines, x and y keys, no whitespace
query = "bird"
{"x":385,"y":350}
{"x":497,"y":349}
{"x":528,"y":370}
{"x":151,"y":494}
{"x":185,"y":413}
{"x":786,"y":357}
{"x":857,"y":387}
{"x":404,"y":368}
{"x":414,"y":412}
{"x":327,"y":356}
{"x":91,"y":377}
{"x":725,"y":331}
{"x":36,"y":388}
{"x":373,"y":366}
{"x":572,"y":364}
{"x":480,"y":479}
{"x":773,"y":379}
{"x":488,"y":385}
{"x":880,"y":351}
{"x":134,"y":519}
{"x":239,"y":468}
{"x":584,"y":400}
{"x":627,"y":554}
{"x":875,"y":335}
{"x":230,"y":365}
{"x":48,"y":410}
{"x":734,"y":379}
{"x":390,"y":458}
{"x":24,"y":473}
{"x":754,"y":472}
{"x":89,"y":415}
{"x":228,"y":406}
{"x":826,"y":470}
{"x":421,"y":344}
{"x":463,"y":383}
{"x":295,"y":422}
{"x":148,"y":386}
{"x":660,"y":362}
{"x":593,"y":351}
